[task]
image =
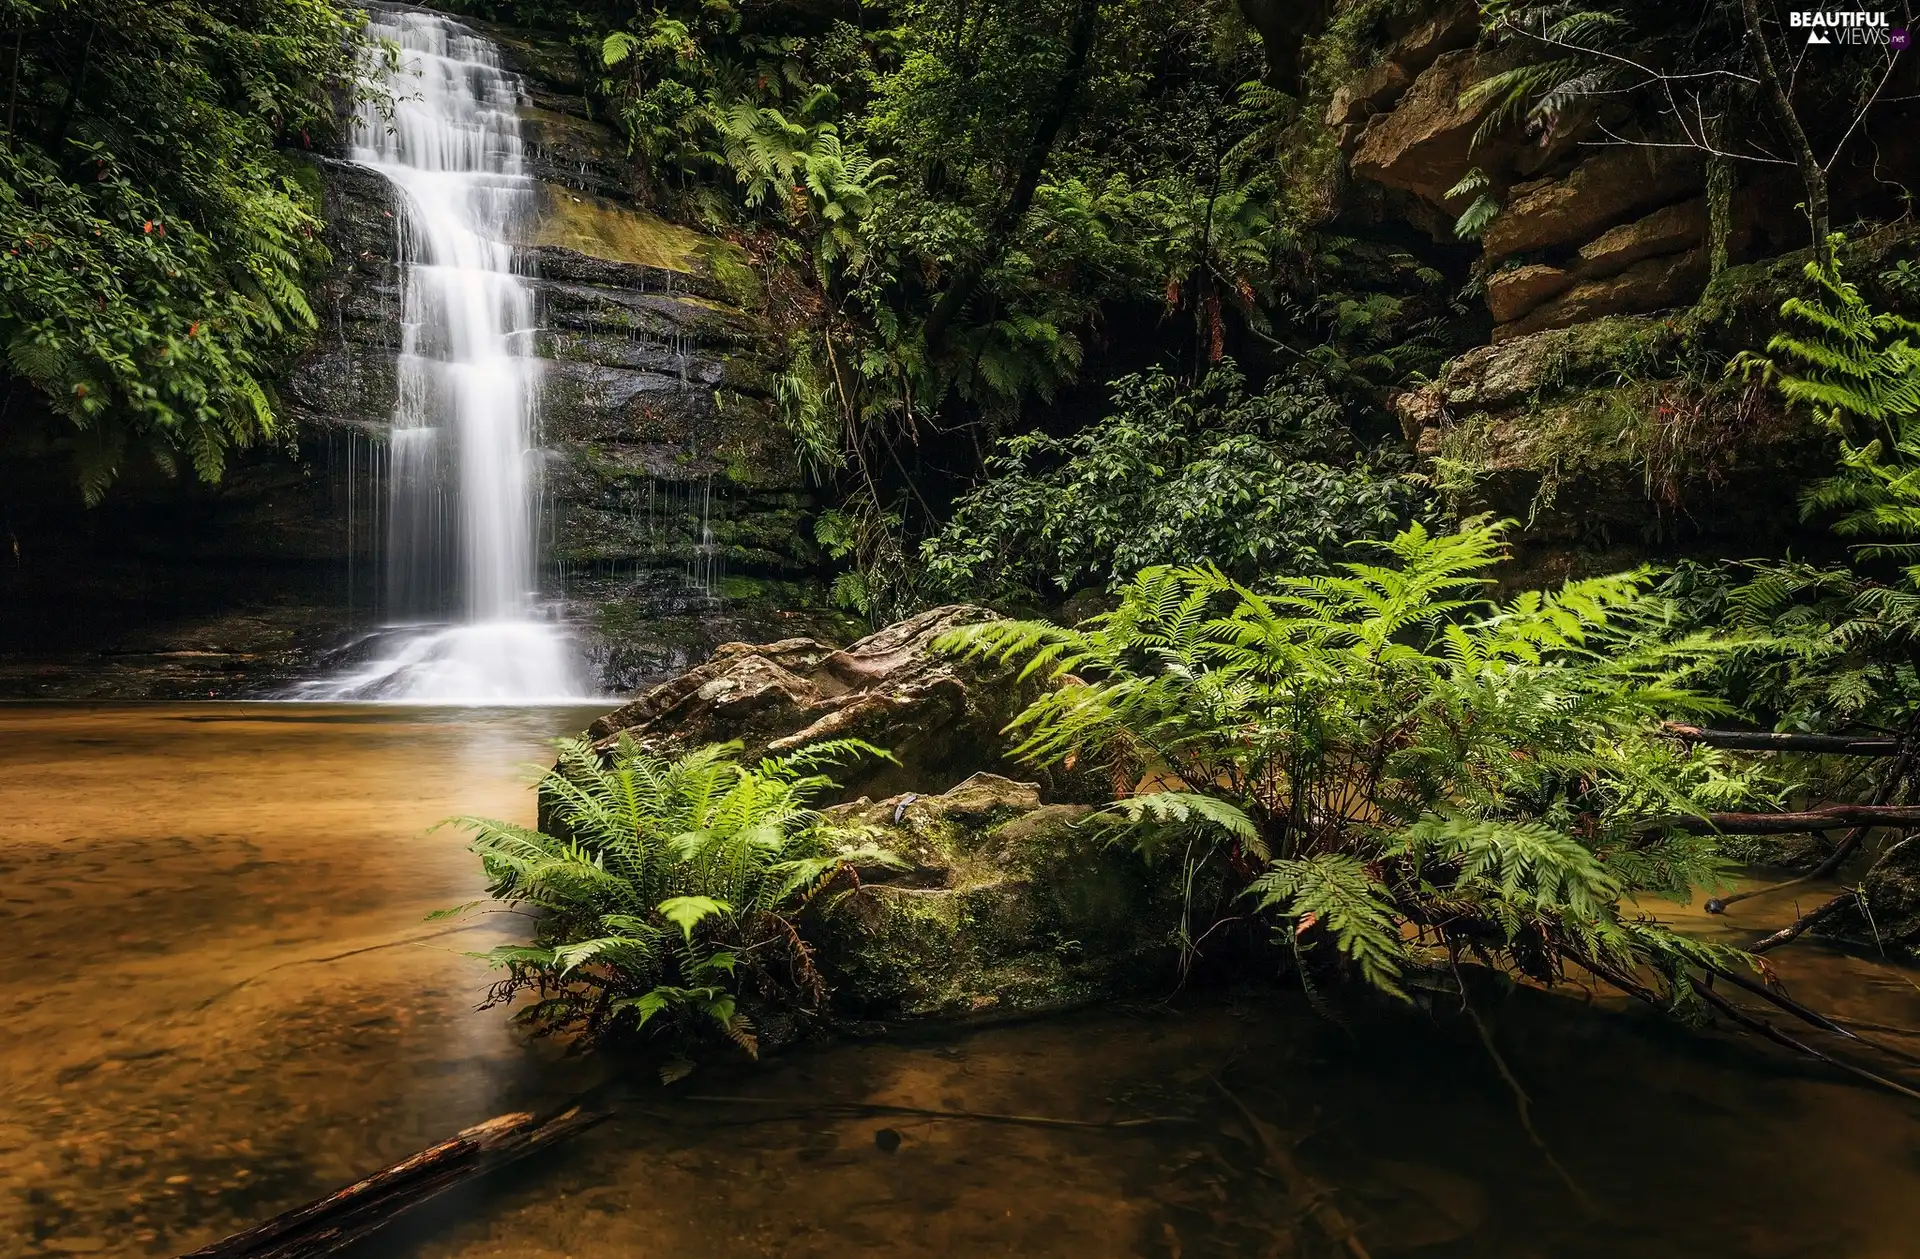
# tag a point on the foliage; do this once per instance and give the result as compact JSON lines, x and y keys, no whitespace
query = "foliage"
{"x":1397,"y":762}
{"x":1253,"y":482}
{"x":1834,"y":648}
{"x":155,"y":243}
{"x":669,"y":893}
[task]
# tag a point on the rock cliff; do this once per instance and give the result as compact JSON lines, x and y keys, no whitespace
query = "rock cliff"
{"x":1598,"y":410}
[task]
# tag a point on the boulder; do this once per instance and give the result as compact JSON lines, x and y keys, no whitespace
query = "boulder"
{"x":1653,"y":284}
{"x":1885,"y":915}
{"x":1424,"y":145}
{"x":1001,"y":900}
{"x":1373,"y":90}
{"x":940,"y":717}
{"x":1514,"y":291}
{"x":1007,"y":904}
{"x":1672,"y":230}
{"x":1612,"y":185}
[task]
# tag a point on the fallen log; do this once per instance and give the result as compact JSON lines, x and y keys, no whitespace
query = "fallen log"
{"x":1827,"y":817}
{"x":1768,"y":741}
{"x":347,"y":1215}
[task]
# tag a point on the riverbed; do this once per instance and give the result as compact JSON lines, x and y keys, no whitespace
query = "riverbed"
{"x":225,"y":997}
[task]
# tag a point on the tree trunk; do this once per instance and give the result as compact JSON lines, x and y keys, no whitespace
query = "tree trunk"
{"x":1045,"y":133}
{"x":1812,"y":177}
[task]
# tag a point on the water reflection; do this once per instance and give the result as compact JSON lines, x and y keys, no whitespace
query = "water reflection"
{"x":223,"y":1000}
{"x":223,"y":996}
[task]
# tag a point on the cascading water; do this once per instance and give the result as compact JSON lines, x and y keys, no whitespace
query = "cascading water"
{"x":463,"y":487}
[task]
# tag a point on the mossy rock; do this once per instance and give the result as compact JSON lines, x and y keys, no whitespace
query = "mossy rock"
{"x":1007,"y":904}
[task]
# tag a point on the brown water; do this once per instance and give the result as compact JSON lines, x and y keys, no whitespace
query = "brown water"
{"x":222,"y":999}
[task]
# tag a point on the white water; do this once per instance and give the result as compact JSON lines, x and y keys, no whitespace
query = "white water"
{"x":462,"y":469}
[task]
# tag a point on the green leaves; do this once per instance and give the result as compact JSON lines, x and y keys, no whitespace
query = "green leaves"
{"x":664,"y":884}
{"x":688,"y":912}
{"x":1403,"y":763}
{"x":153,"y":243}
{"x":1335,"y":891}
{"x":1174,"y":474}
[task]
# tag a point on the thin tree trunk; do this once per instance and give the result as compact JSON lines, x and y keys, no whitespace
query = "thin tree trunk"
{"x":1811,"y":175}
{"x":1045,"y":133}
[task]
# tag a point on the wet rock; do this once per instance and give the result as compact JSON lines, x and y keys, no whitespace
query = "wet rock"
{"x":940,"y":718}
{"x":1652,"y":284}
{"x":1608,"y":187}
{"x":1672,"y":230}
{"x":1010,"y":904}
{"x":1004,"y":901}
{"x":1514,"y":291}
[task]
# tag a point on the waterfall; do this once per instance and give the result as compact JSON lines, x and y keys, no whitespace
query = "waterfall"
{"x":463,"y":484}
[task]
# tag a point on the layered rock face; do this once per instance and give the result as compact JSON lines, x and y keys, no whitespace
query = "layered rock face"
{"x":675,"y":510}
{"x":1586,"y":228}
{"x":675,"y":516}
{"x":1599,"y":414}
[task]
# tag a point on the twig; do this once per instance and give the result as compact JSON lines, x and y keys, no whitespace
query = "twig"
{"x":332,"y":957}
{"x":1779,"y":1037}
{"x":1798,"y":927}
{"x":1865,"y":1025}
{"x":1805,"y":1014}
{"x":1521,"y":1102}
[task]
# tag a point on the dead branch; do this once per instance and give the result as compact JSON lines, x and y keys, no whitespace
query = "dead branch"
{"x":1798,"y":927}
{"x":345,"y":1216}
{"x":1828,"y":817}
{"x":1768,"y":741}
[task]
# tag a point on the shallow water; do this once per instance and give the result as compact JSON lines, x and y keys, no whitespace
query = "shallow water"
{"x":223,"y":1000}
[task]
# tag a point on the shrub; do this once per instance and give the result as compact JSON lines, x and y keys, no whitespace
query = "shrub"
{"x":1173,"y":475}
{"x":1395,"y":765}
{"x":669,"y":893}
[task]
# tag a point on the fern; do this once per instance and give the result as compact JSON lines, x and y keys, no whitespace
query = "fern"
{"x":664,"y":886}
{"x":1401,"y":761}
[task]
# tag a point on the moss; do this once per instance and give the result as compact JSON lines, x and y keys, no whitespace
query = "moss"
{"x":601,"y":229}
{"x":736,"y":277}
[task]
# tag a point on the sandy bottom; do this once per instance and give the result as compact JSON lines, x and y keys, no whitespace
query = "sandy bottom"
{"x":223,"y":1000}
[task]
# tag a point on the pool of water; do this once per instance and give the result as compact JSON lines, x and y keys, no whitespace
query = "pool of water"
{"x":223,"y":998}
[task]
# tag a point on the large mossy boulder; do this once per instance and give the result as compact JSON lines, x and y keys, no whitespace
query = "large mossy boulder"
{"x":1007,"y":903}
{"x":1005,"y":899}
{"x":941,"y":718}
